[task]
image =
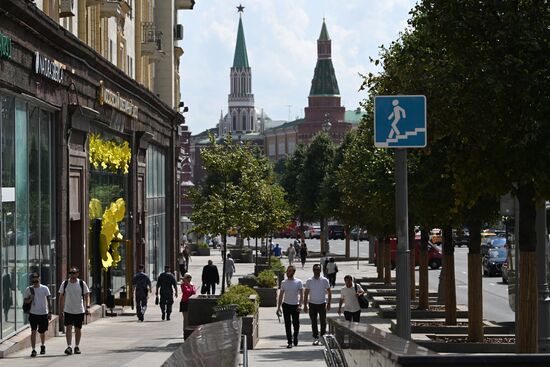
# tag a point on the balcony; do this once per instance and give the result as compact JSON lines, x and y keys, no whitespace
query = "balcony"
{"x":151,"y":45}
{"x":111,"y":8}
{"x":184,"y":4}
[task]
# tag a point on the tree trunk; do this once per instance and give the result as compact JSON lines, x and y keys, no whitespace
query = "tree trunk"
{"x":449,"y":276}
{"x":380,"y":258}
{"x":224,"y":251}
{"x":423,"y":297}
{"x":387,"y":261}
{"x":348,"y":248}
{"x":475,"y":284}
{"x":527,"y":308}
{"x":412,"y":255}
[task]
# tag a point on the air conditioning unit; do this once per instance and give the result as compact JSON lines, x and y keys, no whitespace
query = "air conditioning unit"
{"x":66,"y":8}
{"x":178,"y":32}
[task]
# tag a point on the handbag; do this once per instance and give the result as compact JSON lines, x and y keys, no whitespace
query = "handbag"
{"x":156,"y":300}
{"x":362,"y":299}
{"x":27,"y":306}
{"x":204,"y":288}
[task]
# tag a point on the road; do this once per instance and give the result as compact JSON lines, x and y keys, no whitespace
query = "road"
{"x":495,"y":293}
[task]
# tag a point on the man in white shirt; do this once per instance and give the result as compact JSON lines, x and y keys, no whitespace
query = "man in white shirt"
{"x":74,"y":300}
{"x":315,"y":298}
{"x":348,"y":296}
{"x":41,"y":311}
{"x":291,"y":297}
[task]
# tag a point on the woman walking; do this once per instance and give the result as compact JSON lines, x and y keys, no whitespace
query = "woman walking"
{"x":187,"y":290}
{"x":291,"y":252}
{"x":303,"y":253}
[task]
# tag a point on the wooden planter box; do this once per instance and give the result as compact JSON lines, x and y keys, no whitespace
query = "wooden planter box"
{"x":388,"y":312}
{"x":241,"y":255}
{"x":251,"y":328}
{"x":249,"y":282}
{"x":203,"y":251}
{"x":201,"y":309}
{"x":466,"y":347}
{"x":268,"y":296}
{"x":259,"y":268}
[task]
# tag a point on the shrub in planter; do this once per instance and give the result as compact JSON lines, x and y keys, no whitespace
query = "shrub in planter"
{"x":239,"y":295}
{"x":266,"y":279}
{"x":249,"y":280}
{"x":203,"y":249}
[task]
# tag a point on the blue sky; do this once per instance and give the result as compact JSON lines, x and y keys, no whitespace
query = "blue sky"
{"x":281,"y":39}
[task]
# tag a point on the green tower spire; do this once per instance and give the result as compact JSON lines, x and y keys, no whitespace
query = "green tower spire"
{"x":324,"y":33}
{"x":324,"y":81}
{"x":241,"y":57}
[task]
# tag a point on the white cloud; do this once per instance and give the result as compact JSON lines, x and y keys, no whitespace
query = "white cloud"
{"x":281,"y":40}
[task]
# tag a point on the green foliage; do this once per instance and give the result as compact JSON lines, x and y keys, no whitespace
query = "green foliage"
{"x":266,"y":279}
{"x":277,"y":265}
{"x":239,"y":295}
{"x":238,"y":192}
{"x":202,"y":245}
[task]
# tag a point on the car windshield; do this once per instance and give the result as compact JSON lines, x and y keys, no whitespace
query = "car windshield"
{"x":499,"y":242}
{"x":497,"y":254}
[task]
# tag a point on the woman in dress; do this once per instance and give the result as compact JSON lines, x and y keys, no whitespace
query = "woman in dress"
{"x":187,"y":290}
{"x":303,"y":253}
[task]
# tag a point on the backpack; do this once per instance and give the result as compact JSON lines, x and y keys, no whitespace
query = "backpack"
{"x":27,"y":306}
{"x":67,"y":282}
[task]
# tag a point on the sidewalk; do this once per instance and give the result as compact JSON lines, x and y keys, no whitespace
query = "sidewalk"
{"x":123,"y":341}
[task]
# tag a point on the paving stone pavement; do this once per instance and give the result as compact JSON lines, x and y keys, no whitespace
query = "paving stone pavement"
{"x":124,"y":341}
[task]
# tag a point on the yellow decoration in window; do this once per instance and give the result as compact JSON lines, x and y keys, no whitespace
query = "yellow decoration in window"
{"x":110,"y":236}
{"x":109,"y":154}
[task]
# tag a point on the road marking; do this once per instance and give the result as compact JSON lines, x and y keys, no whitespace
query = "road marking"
{"x":464,"y":272}
{"x":493,"y":284}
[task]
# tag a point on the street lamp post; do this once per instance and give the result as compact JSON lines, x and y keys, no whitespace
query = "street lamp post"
{"x":326,"y":128}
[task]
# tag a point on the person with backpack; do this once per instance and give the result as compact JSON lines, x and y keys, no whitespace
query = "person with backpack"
{"x":74,"y":301}
{"x":40,"y":311}
{"x":142,"y":286}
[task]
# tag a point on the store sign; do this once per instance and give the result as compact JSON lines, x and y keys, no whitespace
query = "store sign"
{"x":113,"y":99}
{"x":51,"y":69}
{"x":5,"y":46}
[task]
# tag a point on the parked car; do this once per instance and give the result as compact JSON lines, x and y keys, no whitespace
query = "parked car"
{"x":435,"y":256}
{"x":461,"y":237}
{"x":315,"y":232}
{"x":362,"y":235}
{"x":486,"y":239}
{"x":492,"y":262}
{"x":498,"y":242}
{"x":436,"y":236}
{"x":336,"y":232}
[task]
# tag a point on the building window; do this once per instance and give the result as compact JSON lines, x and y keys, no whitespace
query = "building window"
{"x":26,"y":206}
{"x":244,"y":122}
{"x":155,"y":221}
{"x":234,"y":123}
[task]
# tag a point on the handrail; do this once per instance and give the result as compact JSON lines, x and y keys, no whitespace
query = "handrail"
{"x":334,"y":356}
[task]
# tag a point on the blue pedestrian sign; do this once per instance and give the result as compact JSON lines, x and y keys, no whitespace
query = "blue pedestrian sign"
{"x":400,"y":121}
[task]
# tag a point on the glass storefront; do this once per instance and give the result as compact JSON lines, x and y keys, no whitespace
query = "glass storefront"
{"x":27,"y":236}
{"x":155,"y":220}
{"x":107,"y":186}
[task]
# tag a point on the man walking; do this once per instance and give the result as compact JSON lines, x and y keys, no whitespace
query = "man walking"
{"x":229,"y":269}
{"x":291,"y":298}
{"x":41,"y":311}
{"x":74,"y":300}
{"x":315,"y":298}
{"x":142,"y":286}
{"x":167,"y":285}
{"x":210,"y":277}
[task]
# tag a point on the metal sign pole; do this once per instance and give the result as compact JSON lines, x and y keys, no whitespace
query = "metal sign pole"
{"x":358,"y":234}
{"x":402,"y":224}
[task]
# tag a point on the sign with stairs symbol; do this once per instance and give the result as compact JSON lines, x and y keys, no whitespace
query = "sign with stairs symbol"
{"x":400,"y":121}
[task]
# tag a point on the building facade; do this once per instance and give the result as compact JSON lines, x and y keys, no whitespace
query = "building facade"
{"x":88,"y":153}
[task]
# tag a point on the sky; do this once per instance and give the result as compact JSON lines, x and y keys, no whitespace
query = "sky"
{"x":281,"y":40}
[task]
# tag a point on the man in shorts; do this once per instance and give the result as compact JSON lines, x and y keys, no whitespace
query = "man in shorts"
{"x":40,"y":314}
{"x":74,"y":300}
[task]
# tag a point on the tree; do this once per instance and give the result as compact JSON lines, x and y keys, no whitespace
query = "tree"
{"x":317,"y":161}
{"x":234,"y":191}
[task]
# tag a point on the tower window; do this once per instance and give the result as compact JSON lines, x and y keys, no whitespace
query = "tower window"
{"x":244,"y":122}
{"x":234,"y":122}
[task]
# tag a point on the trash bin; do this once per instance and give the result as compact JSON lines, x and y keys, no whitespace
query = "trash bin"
{"x":225,"y":312}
